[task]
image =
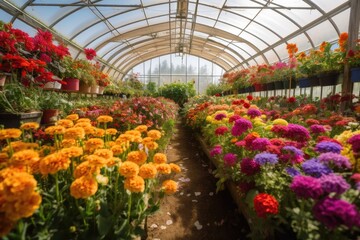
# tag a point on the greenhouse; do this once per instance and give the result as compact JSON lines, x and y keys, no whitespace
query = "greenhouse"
{"x":186,"y":119}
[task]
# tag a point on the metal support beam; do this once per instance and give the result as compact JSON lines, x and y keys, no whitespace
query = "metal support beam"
{"x":81,"y":5}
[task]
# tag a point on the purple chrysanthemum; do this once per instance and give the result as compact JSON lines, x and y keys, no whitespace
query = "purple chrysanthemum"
{"x":355,"y":142}
{"x":327,"y":146}
{"x":335,"y":212}
{"x":317,"y":128}
{"x":260,"y":144}
{"x":297,"y":132}
{"x":220,"y":116}
{"x":263,"y":158}
{"x":249,"y":167}
{"x":306,"y":187}
{"x":253,"y":112}
{"x":292,"y":171}
{"x":294,"y":150}
{"x":333,"y":183}
{"x":240,"y":126}
{"x":335,"y":159}
{"x":315,"y":168}
{"x":230,"y":159}
{"x":216,"y":151}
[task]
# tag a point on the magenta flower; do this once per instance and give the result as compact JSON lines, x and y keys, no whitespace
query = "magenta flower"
{"x":306,"y":187}
{"x":230,"y":159}
{"x":240,"y":126}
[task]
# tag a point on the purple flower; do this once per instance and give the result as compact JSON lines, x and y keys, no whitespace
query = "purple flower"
{"x":253,"y":112}
{"x":327,"y":146}
{"x":315,"y":168}
{"x":260,"y":144}
{"x":297,"y":132}
{"x":292,"y":171}
{"x":335,"y":212}
{"x":263,"y":158}
{"x":249,"y":167}
{"x":216,"y":151}
{"x":293,"y":150}
{"x":336,"y":159}
{"x":333,"y":183}
{"x":317,"y":128}
{"x":230,"y":159}
{"x":220,"y":116}
{"x":357,"y":186}
{"x":240,"y":126}
{"x":306,"y":187}
{"x":355,"y":142}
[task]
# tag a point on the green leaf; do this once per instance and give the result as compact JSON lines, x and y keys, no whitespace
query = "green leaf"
{"x":104,"y":224}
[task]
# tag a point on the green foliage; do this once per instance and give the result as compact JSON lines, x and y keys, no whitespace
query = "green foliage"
{"x":178,"y":92}
{"x":54,"y":100}
{"x":214,"y":89}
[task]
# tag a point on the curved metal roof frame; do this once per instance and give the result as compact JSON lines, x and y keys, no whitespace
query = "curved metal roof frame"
{"x":181,"y":32}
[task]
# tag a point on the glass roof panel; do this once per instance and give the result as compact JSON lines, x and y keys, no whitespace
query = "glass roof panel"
{"x":261,"y":32}
{"x":127,"y":18}
{"x":281,"y":51}
{"x":301,"y":17}
{"x":92,"y":33}
{"x":228,"y":28}
{"x":205,"y":21}
{"x":5,"y":17}
{"x":48,"y":14}
{"x":318,"y":32}
{"x":25,"y":27}
{"x":254,"y":40}
{"x":19,"y":2}
{"x":215,"y":3}
{"x":150,"y":2}
{"x":208,"y":11}
{"x":341,"y":20}
{"x":327,"y":5}
{"x":157,"y":10}
{"x":282,"y":25}
{"x":271,"y":56}
{"x":234,"y":19}
{"x":107,"y":48}
{"x":132,"y":26}
{"x":240,"y":49}
{"x":158,"y":20}
{"x":83,"y":40}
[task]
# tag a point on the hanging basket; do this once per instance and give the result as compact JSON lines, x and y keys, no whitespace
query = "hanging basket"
{"x":270,"y":86}
{"x":289,"y":83}
{"x":328,"y":78}
{"x":355,"y":74}
{"x":309,"y":82}
{"x":279,"y":85}
{"x":71,"y":84}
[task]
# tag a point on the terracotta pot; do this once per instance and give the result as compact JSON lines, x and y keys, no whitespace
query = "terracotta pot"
{"x":84,"y":88}
{"x":94,"y":89}
{"x":71,"y":84}
{"x":49,"y":116}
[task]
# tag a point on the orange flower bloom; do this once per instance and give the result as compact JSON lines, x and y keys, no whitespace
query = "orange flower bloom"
{"x":52,"y":130}
{"x":175,"y":168}
{"x":66,"y":123}
{"x":146,"y":140}
{"x":83,"y":187}
{"x":74,"y":133}
{"x":80,"y":120}
{"x":83,"y":124}
{"x":163,"y":168}
{"x":343,"y":41}
{"x":96,"y":160}
{"x":53,"y":163}
{"x":72,"y":152}
{"x":111,"y":131}
{"x":323,"y":46}
{"x":105,"y":153}
{"x":10,"y":133}
{"x":20,"y":145}
{"x":22,"y":207}
{"x":94,"y":143}
{"x":68,"y":143}
{"x":135,"y":184}
{"x":160,"y":158}
{"x":129,"y":169}
{"x":113,"y":161}
{"x":86,"y":169}
{"x":133,"y":132}
{"x":154,"y":134}
{"x":118,"y":149}
{"x":73,"y":117}
{"x":147,"y":171}
{"x":99,"y":132}
{"x":138,"y":157}
{"x":125,"y":138}
{"x":18,"y":185}
{"x":141,"y":128}
{"x":29,"y":126}
{"x":24,"y":158}
{"x":151,"y":145}
{"x":169,"y":186}
{"x":104,"y":119}
{"x":89,"y":130}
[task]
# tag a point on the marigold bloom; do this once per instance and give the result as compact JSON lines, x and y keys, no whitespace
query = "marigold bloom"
{"x":6,"y":225}
{"x":141,"y":128}
{"x":105,"y":153}
{"x":66,"y":123}
{"x":96,"y":160}
{"x":154,"y":134}
{"x":280,"y":121}
{"x":24,"y":157}
{"x":83,"y":124}
{"x":22,"y":207}
{"x":175,"y":168}
{"x":99,"y":132}
{"x":73,"y":117}
{"x":113,"y":161}
{"x":74,"y":133}
{"x":135,"y":184}
{"x":90,"y":130}
{"x":111,"y":131}
{"x":133,"y":132}
{"x":83,"y":187}
{"x":138,"y":157}
{"x":52,"y":130}
{"x":265,"y":204}
{"x":169,"y":186}
{"x":147,"y":171}
{"x":104,"y":119}
{"x":17,"y":185}
{"x":125,"y":138}
{"x":163,"y":168}
{"x":94,"y":143}
{"x":10,"y":133}
{"x":118,"y":149}
{"x":68,"y":143}
{"x":147,"y":140}
{"x":160,"y":158}
{"x":85,"y":169}
{"x":29,"y":126}
{"x":82,"y":120}
{"x":53,"y":163}
{"x":129,"y":169}
{"x":151,"y":145}
{"x":72,"y":152}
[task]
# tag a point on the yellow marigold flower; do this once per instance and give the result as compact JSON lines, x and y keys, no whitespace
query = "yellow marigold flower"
{"x":125,"y":138}
{"x":154,"y":134}
{"x":138,"y":157}
{"x":96,"y":160}
{"x":175,"y":168}
{"x":280,"y":121}
{"x":209,"y":119}
{"x":74,"y":133}
{"x":83,"y":124}
{"x":89,"y":130}
{"x":10,"y":133}
{"x":104,"y":119}
{"x":169,"y":186}
{"x":80,"y":120}
{"x":94,"y":143}
{"x":129,"y":169}
{"x":268,"y":127}
{"x":103,"y":180}
{"x":4,"y":157}
{"x":110,"y":143}
{"x":163,"y":168}
{"x":135,"y":184}
{"x":99,"y":132}
{"x":151,"y":145}
{"x":105,"y":153}
{"x":160,"y":158}
{"x":24,"y":157}
{"x":17,"y":186}
{"x":259,"y":123}
{"x":6,"y":225}
{"x":22,"y":207}
{"x":52,"y":130}
{"x":72,"y":152}
{"x":30,"y":126}
{"x":137,"y":139}
{"x":146,"y":140}
{"x":86,"y":169}
{"x":73,"y":117}
{"x":83,"y":187}
{"x":113,"y":161}
{"x":147,"y":171}
{"x":66,"y":123}
{"x":133,"y":132}
{"x":53,"y":163}
{"x":68,"y":143}
{"x":141,"y":128}
{"x":111,"y":131}
{"x":118,"y":149}
{"x":247,"y":117}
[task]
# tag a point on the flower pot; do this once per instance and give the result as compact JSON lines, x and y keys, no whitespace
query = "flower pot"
{"x":49,"y":116}
{"x":94,"y":89}
{"x":101,"y":90}
{"x":279,"y":85}
{"x":71,"y":84}
{"x":270,"y":86}
{"x":328,"y":78}
{"x":355,"y":74}
{"x":84,"y":88}
{"x":53,"y":85}
{"x":289,"y":83}
{"x":258,"y":87}
{"x":10,"y":120}
{"x":2,"y":80}
{"x":309,"y":82}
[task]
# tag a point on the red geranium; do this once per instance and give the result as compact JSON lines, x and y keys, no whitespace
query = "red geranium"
{"x":90,"y":53}
{"x":265,"y":204}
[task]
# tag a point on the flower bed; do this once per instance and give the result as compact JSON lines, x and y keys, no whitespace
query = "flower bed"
{"x":294,"y":168}
{"x":82,"y":181}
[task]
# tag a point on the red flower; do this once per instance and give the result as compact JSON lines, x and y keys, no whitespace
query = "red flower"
{"x":265,"y":204}
{"x":249,"y":97}
{"x":90,"y":53}
{"x":246,"y":105}
{"x":221,"y":130}
{"x":291,"y":100}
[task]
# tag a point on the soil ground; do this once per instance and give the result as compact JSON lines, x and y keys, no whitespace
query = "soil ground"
{"x":196,"y":211}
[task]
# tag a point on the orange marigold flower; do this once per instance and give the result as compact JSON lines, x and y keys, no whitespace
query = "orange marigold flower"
{"x":175,"y":168}
{"x":135,"y":184}
{"x":118,"y":149}
{"x":6,"y":225}
{"x":160,"y":158}
{"x":129,"y":169}
{"x":99,"y":132}
{"x":133,"y":132}
{"x":74,"y":133}
{"x":52,"y":130}
{"x":163,"y":168}
{"x":89,"y":130}
{"x":110,"y":144}
{"x":86,"y":169}
{"x":4,"y":157}
{"x":73,"y":117}
{"x":96,"y":160}
{"x":83,"y":187}
{"x":323,"y":46}
{"x":137,"y":139}
{"x":125,"y":138}
{"x":146,"y":140}
{"x":66,"y":123}
{"x":141,"y":128}
{"x":113,"y":161}
{"x":138,"y":157}
{"x":151,"y":145}
{"x":147,"y":171}
{"x":154,"y":134}
{"x":104,"y":119}
{"x":30,"y":126}
{"x":169,"y":186}
{"x":20,"y":145}
{"x":111,"y":131}
{"x":94,"y":143}
{"x":72,"y":152}
{"x":80,"y":120}
{"x":105,"y":153}
{"x":68,"y":143}
{"x":18,"y":185}
{"x":22,"y":207}
{"x":10,"y":133}
{"x":53,"y":163}
{"x":83,"y":124}
{"x":24,"y":157}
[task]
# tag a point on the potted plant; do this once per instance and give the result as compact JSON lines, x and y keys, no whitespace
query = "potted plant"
{"x":52,"y":104}
{"x":353,"y":59}
{"x":71,"y":74}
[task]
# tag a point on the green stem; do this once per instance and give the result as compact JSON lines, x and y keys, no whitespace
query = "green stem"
{"x":129,"y":207}
{"x":57,"y":188}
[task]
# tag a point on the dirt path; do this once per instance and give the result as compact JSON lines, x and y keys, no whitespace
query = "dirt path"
{"x":195,"y":212}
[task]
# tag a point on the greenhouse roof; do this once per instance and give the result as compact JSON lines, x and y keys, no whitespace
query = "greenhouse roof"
{"x":231,"y":33}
